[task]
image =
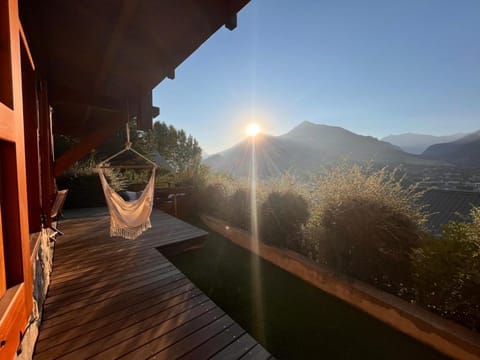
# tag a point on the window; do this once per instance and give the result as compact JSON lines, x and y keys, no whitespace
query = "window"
{"x":12,"y":269}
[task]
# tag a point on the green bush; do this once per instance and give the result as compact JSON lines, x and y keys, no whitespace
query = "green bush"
{"x":83,"y":191}
{"x":211,"y":200}
{"x":281,"y":218}
{"x":84,"y":186}
{"x":372,"y":242}
{"x":239,"y":209}
{"x":368,"y":222}
{"x":446,"y":272}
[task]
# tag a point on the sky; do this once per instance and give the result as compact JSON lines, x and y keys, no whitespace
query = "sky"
{"x":373,"y":67}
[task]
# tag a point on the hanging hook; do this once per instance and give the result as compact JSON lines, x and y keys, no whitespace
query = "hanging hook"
{"x":128,"y":144}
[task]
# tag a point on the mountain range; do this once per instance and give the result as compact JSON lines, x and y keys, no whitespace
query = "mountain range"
{"x":418,"y":143}
{"x":308,"y":148}
{"x":463,"y":152}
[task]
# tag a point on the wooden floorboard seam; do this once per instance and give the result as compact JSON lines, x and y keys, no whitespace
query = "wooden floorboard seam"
{"x":113,"y":298}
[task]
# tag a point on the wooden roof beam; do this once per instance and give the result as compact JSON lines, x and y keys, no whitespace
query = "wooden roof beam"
{"x":87,"y":143}
{"x":62,"y":95}
{"x":127,"y":11}
{"x":231,"y":22}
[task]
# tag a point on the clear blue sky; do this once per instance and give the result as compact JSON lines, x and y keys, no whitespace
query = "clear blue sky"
{"x":373,"y":67}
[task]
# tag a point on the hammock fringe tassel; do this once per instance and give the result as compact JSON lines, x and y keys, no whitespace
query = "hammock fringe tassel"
{"x":129,"y":233}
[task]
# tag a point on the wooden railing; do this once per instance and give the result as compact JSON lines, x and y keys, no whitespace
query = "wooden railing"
{"x":175,"y":201}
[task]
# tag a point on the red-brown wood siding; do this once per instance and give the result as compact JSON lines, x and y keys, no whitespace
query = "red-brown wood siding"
{"x":16,"y":301}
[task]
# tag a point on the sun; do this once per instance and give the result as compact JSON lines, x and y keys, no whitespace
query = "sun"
{"x":252,"y":129}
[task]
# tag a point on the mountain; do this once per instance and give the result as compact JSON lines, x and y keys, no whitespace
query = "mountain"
{"x":418,"y":143}
{"x":308,"y":148}
{"x":462,"y":152}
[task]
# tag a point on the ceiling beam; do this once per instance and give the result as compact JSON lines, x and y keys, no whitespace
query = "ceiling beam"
{"x":64,"y":95}
{"x":128,"y":10}
{"x":231,"y":22}
{"x":87,"y":143}
{"x":126,"y":13}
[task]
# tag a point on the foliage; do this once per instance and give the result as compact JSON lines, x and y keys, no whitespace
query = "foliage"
{"x":182,"y":152}
{"x":179,"y":150}
{"x":85,"y":189}
{"x":446,"y":272}
{"x":63,"y":143}
{"x":366,"y":223}
{"x":282,"y":215}
{"x":211,"y":194}
{"x":212,"y":200}
{"x":239,"y":209}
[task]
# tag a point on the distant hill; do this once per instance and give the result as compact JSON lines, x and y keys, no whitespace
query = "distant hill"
{"x":308,"y":148}
{"x":418,"y":143}
{"x":462,"y":152}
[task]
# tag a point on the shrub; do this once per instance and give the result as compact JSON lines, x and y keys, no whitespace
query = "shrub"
{"x":281,"y":218}
{"x":239,"y":209}
{"x":446,"y":272}
{"x":85,"y":189}
{"x":369,"y":222}
{"x":212,"y":200}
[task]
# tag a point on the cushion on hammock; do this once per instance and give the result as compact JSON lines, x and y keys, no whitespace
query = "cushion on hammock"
{"x":131,"y":195}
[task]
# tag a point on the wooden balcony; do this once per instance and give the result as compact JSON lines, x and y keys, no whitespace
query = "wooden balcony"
{"x":113,"y":298}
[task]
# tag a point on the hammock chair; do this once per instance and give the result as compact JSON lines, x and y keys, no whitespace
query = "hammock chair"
{"x":128,"y":219}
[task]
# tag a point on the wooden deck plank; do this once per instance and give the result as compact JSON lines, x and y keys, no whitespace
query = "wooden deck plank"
{"x":256,"y":353}
{"x":104,"y":280}
{"x":194,"y":340}
{"x":90,"y":344}
{"x":95,"y":308}
{"x":58,"y":308}
{"x":216,"y":343}
{"x":112,"y":298}
{"x":237,"y":349}
{"x":155,"y":339}
{"x":117,"y":318}
{"x":88,"y":272}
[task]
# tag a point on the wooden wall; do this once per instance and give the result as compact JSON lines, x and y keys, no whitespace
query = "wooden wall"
{"x":18,"y":133}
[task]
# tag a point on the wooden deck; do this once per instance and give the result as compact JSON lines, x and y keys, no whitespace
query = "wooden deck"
{"x":113,"y":298}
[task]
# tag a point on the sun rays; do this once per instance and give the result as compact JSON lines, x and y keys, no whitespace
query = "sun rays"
{"x":253,"y":129}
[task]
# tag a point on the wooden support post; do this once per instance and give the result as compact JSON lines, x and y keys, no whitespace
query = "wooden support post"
{"x":175,"y":204}
{"x":145,"y":112}
{"x":31,"y":130}
{"x":46,"y":152}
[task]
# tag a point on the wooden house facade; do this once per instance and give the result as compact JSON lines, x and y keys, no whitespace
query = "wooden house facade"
{"x":78,"y":68}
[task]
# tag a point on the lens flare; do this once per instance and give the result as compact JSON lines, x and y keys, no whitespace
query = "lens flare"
{"x":257,"y":288}
{"x":253,"y":129}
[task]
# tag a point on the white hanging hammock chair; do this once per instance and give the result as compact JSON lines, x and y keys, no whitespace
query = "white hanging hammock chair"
{"x":128,"y":219}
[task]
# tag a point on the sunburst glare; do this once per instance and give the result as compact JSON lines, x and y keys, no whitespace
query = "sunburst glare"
{"x":253,"y":129}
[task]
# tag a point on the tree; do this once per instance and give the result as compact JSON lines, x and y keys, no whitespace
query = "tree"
{"x":182,"y":152}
